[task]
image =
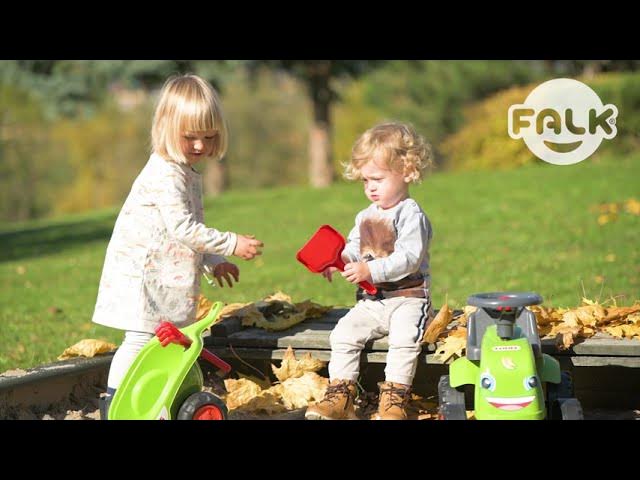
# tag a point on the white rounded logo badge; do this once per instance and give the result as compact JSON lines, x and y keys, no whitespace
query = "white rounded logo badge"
{"x":562,"y":121}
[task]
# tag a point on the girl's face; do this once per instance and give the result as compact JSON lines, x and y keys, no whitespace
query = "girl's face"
{"x":197,"y":145}
{"x":382,"y":186}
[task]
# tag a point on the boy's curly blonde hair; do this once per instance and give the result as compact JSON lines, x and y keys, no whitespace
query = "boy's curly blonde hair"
{"x":396,"y":145}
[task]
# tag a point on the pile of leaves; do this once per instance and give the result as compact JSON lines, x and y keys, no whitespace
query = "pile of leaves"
{"x":297,"y":385}
{"x":566,"y":325}
{"x":275,"y":312}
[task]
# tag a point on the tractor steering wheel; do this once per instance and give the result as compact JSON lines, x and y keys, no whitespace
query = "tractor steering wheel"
{"x":506,"y":300}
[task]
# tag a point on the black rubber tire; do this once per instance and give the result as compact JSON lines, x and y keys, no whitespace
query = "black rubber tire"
{"x":570,"y":409}
{"x":556,"y":392}
{"x":200,"y":399}
{"x":451,"y":401}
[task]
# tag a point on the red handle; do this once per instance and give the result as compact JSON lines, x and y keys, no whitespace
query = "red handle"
{"x":216,"y":361}
{"x":371,"y":290}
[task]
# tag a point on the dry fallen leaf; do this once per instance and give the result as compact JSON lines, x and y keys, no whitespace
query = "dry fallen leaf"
{"x":204,"y":306}
{"x":292,"y":368}
{"x":88,"y":347}
{"x":438,"y":324}
{"x":240,"y":392}
{"x":452,"y":345}
{"x":312,"y":310}
{"x":298,"y":392}
{"x":632,"y":206}
{"x":294,"y":392}
{"x":278,"y":297}
{"x":275,"y":313}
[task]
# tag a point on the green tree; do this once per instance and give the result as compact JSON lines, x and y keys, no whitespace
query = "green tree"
{"x":320,"y":77}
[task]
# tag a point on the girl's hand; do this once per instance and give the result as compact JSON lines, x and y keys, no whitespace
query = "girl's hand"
{"x":328,"y":272}
{"x":247,"y":247}
{"x":357,"y":272}
{"x":226,"y":270}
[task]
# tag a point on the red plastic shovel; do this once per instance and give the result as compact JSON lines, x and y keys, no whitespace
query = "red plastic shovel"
{"x":324,"y":250}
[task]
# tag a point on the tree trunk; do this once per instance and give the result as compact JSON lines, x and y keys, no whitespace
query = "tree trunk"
{"x":216,"y":178}
{"x":321,"y":170}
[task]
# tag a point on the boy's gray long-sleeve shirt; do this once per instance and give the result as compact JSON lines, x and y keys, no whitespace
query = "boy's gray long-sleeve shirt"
{"x":395,"y":242}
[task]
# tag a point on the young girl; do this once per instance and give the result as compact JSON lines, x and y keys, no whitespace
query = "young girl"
{"x":389,"y":247}
{"x":160,"y":245}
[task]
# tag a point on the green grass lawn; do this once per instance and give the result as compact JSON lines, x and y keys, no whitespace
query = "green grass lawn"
{"x":526,"y":229}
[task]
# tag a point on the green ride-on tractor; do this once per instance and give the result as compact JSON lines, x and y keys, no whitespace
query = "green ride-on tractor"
{"x":512,"y":378}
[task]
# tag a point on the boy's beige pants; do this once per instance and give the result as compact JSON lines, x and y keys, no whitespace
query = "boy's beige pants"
{"x":403,"y":319}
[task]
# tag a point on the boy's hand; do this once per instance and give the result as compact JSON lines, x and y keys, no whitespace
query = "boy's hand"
{"x":328,"y":272}
{"x":225,"y":271}
{"x":357,"y":272}
{"x":247,"y":247}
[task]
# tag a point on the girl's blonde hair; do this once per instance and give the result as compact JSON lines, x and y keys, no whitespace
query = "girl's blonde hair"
{"x":187,"y":103}
{"x":395,"y":145}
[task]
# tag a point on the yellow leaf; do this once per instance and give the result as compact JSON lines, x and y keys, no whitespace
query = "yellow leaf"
{"x":88,"y":347}
{"x":298,"y":392}
{"x":453,"y":345}
{"x":263,"y":383}
{"x":438,"y":324}
{"x":544,"y":330}
{"x":603,"y":219}
{"x":610,"y":257}
{"x":588,"y":315}
{"x":543,"y":315}
{"x":565,"y":335}
{"x":631,"y":330}
{"x":291,"y":368}
{"x":634,"y":318}
{"x":204,"y":306}
{"x":570,"y":319}
{"x":632,"y":206}
{"x":240,"y":392}
{"x":458,"y":332}
{"x":265,"y":402}
{"x":616,"y":332}
{"x":278,"y":297}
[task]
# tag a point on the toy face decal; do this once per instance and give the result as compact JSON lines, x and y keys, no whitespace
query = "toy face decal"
{"x":508,"y":363}
{"x":487,"y":381}
{"x":510,"y":403}
{"x":531,"y":382}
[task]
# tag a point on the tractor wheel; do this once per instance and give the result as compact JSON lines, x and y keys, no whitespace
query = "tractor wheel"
{"x":203,"y":406}
{"x":570,"y":409}
{"x":557,"y":394}
{"x":451,"y":401}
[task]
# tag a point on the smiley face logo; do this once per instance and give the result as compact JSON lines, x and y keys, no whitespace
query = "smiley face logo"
{"x":562,"y":121}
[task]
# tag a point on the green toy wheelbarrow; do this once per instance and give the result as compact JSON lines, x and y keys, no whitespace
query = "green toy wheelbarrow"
{"x":165,"y":381}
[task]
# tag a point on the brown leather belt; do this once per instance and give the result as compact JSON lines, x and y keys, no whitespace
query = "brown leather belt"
{"x":414,"y":288}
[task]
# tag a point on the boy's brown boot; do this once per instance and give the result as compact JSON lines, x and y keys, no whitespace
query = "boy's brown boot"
{"x":337,"y":403}
{"x":394,"y":398}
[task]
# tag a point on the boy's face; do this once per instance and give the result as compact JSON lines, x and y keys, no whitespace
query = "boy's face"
{"x":197,"y":145}
{"x":383,"y":186}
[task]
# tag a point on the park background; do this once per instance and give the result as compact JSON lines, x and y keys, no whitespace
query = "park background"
{"x":74,"y":135}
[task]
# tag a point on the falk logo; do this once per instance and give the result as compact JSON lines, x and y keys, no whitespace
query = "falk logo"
{"x":562,"y":121}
